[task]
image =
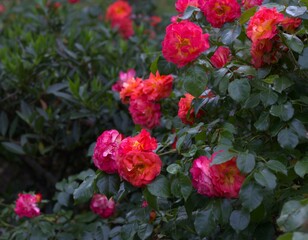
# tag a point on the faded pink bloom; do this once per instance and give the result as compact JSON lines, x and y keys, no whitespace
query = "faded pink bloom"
{"x":184,"y":42}
{"x":251,"y":3}
{"x":101,"y":206}
{"x":201,"y":177}
{"x":181,"y":5}
{"x":26,"y":205}
{"x":105,"y":151}
{"x":219,"y":12}
{"x":221,"y":57}
{"x":145,"y":112}
{"x":123,"y":77}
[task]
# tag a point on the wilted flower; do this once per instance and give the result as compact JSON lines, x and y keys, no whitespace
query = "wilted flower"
{"x":184,"y":42}
{"x":221,"y":57}
{"x":101,"y":206}
{"x":105,"y":151}
{"x":139,"y":168}
{"x":26,"y":205}
{"x":219,"y":12}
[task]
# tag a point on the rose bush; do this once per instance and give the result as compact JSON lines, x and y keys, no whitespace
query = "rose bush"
{"x":220,"y":156}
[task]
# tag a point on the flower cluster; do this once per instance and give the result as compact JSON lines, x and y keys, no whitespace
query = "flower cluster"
{"x":267,"y":47}
{"x":132,"y":157}
{"x":143,"y":96}
{"x":181,"y":5}
{"x":101,"y":206}
{"x":26,"y":205}
{"x":119,"y":15}
{"x":221,"y":180}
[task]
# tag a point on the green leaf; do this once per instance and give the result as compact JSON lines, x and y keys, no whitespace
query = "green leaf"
{"x":128,"y":231}
{"x":265,"y":178}
{"x":204,"y":223}
{"x":301,"y":167}
{"x":300,"y":236}
{"x":13,"y":147}
{"x":268,"y":97}
{"x":229,"y":33}
{"x":282,"y":83}
{"x":85,"y":191}
{"x":277,"y":166}
{"x":247,"y":15}
{"x":279,"y":7}
{"x":245,"y":162}
{"x":195,"y":81}
{"x":173,"y":168}
{"x":4,"y":123}
{"x":295,"y":11}
{"x":108,"y":184}
{"x":239,"y":90}
{"x":186,"y":186}
{"x":303,"y":59}
{"x":239,"y":220}
{"x":223,"y":156}
{"x":287,"y":139}
{"x":144,"y":231}
{"x":151,"y":199}
{"x":298,"y":127}
{"x":285,"y":112}
{"x":252,"y":101}
{"x":287,"y":236}
{"x":164,"y":67}
{"x":251,"y":196}
{"x":160,"y":187}
{"x":263,"y":122}
{"x":293,"y":42}
{"x":189,"y":11}
{"x":246,"y":70}
{"x":293,"y":216}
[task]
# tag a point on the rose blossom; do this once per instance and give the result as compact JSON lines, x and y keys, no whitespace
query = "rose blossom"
{"x":101,"y":206}
{"x":157,"y":86}
{"x":139,"y":168}
{"x":263,"y":24}
{"x":184,"y":42}
{"x":181,"y":5}
{"x":221,"y":57}
{"x":290,"y":24}
{"x":220,"y":180}
{"x":219,"y":12}
{"x":141,"y":142}
{"x":186,"y":111}
{"x":26,"y":205}
{"x":131,"y":88}
{"x":123,"y":77}
{"x":73,"y":1}
{"x":145,"y":112}
{"x":251,"y":3}
{"x":105,"y":151}
{"x":227,"y":179}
